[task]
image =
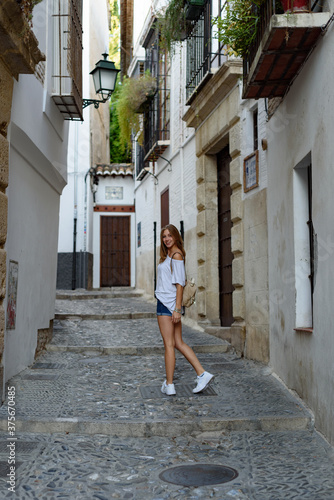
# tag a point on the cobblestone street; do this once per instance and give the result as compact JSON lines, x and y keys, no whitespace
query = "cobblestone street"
{"x":92,"y":423}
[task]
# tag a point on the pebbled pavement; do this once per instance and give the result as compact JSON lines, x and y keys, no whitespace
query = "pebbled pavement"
{"x":91,"y":422}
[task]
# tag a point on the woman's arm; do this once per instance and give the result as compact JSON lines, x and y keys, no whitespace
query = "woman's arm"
{"x":176,"y":317}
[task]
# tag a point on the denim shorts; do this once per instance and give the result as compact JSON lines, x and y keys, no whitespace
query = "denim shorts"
{"x":162,"y":310}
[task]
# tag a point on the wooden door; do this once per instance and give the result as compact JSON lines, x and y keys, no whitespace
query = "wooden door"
{"x":165,"y":207}
{"x":115,"y":251}
{"x":224,"y":233}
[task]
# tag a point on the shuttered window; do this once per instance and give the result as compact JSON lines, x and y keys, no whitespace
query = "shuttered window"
{"x":165,"y":207}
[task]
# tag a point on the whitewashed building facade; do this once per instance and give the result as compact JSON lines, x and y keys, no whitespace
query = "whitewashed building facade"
{"x":267,"y":123}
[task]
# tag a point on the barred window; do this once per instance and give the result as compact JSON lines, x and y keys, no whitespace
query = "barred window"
{"x":67,"y":63}
{"x":157,"y":118}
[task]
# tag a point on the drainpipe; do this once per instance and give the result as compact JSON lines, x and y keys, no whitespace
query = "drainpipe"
{"x":74,"y":258}
{"x":75,"y":215}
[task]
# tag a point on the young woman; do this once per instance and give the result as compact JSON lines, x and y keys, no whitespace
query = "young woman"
{"x":169,"y":291}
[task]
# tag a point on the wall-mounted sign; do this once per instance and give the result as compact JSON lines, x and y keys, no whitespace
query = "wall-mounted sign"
{"x":13,"y":274}
{"x":139,"y":234}
{"x":114,"y":193}
{"x":251,"y":171}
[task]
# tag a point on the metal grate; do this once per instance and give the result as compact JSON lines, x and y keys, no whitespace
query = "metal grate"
{"x":182,"y":391}
{"x":199,"y":475}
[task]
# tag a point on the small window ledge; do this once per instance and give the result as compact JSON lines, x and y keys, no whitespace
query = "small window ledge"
{"x":303,"y":329}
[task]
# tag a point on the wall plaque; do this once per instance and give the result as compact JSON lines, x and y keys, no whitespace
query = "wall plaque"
{"x":114,"y":193}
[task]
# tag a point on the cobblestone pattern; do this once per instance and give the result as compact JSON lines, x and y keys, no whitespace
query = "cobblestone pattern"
{"x":294,"y":465}
{"x":104,"y":306}
{"x":77,"y":332}
{"x":108,"y":387}
{"x":271,"y":466}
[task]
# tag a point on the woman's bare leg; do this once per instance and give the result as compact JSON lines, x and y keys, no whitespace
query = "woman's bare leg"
{"x":187,"y":351}
{"x":167,"y":332}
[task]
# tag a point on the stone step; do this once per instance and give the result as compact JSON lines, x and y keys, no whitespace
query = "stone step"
{"x":98,"y":295}
{"x":106,"y":316}
{"x":163,"y":428}
{"x":221,"y":332}
{"x":92,"y":393}
{"x":136,"y":350}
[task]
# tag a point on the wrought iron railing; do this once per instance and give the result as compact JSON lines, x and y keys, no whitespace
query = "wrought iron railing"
{"x":204,"y":51}
{"x":67,"y":63}
{"x":264,"y":13}
{"x":140,"y":163}
{"x":157,"y":116}
{"x":156,"y":123}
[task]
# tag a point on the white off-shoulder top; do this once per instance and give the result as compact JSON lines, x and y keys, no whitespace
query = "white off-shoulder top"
{"x":166,"y":281}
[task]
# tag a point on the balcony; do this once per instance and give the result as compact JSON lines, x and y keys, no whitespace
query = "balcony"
{"x":67,"y":63}
{"x":283,"y":43}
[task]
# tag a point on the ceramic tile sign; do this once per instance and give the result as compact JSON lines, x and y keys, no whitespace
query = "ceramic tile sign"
{"x":251,"y":171}
{"x":114,"y":193}
{"x":13,"y":273}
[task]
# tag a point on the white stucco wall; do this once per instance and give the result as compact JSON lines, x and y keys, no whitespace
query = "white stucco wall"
{"x":303,"y":125}
{"x":37,"y":174}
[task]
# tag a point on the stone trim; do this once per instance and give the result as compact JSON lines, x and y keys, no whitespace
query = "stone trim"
{"x":44,"y":336}
{"x":19,"y":46}
{"x":213,"y":93}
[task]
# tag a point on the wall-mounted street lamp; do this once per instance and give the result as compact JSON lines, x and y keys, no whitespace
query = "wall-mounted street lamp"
{"x":104,"y":77}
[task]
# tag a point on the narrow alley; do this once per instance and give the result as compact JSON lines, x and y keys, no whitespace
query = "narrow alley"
{"x":91,"y":422}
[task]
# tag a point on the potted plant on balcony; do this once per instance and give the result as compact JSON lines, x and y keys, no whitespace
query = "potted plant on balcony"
{"x":193,"y":9}
{"x":295,"y":6}
{"x":177,"y":20}
{"x":237,"y":27}
{"x":133,"y":96}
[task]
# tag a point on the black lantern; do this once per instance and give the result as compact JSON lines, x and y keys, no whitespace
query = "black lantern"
{"x":104,"y":78}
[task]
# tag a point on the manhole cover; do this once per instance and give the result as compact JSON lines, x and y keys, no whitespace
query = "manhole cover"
{"x":198,"y":475}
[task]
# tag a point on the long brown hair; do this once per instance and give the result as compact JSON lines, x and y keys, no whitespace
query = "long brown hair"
{"x":178,"y":241}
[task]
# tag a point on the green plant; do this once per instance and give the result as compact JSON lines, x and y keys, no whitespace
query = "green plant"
{"x":119,"y":150}
{"x":27,"y":7}
{"x":132,"y":93}
{"x":172,"y":24}
{"x":237,"y":27}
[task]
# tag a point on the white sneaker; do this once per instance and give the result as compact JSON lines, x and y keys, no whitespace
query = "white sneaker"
{"x":203,"y":381}
{"x":168,"y":389}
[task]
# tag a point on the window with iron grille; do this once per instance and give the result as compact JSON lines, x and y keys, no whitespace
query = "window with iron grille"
{"x":157,"y":117}
{"x":67,"y":63}
{"x":204,"y":51}
{"x":139,"y":161}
